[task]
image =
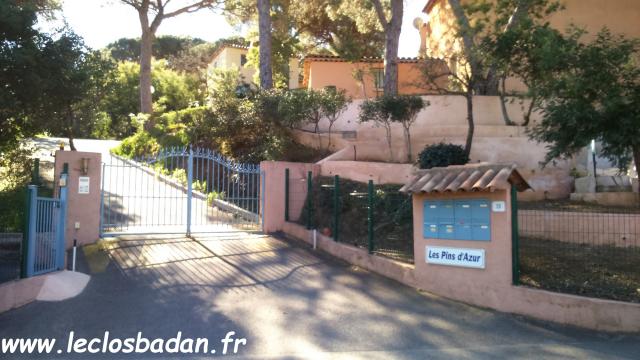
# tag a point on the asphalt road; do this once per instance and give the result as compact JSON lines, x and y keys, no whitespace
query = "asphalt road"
{"x":288,"y":302}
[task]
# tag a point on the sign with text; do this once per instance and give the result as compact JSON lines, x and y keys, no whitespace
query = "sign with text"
{"x":471,"y":258}
{"x":83,"y":185}
{"x":498,"y":206}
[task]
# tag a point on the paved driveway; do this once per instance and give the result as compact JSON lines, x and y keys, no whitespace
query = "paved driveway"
{"x":288,"y":302}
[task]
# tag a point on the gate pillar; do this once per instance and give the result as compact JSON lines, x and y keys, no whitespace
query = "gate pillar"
{"x":83,"y":195}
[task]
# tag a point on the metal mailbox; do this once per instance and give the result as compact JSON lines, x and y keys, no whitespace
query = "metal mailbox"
{"x":466,"y":219}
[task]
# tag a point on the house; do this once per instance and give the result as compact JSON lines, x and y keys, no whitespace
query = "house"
{"x":234,"y":55}
{"x":364,"y":78}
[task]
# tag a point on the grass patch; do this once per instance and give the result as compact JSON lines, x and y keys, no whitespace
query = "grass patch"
{"x":576,"y":206}
{"x":604,"y":271}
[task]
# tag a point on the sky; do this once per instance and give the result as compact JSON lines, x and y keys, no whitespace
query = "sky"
{"x":101,"y":22}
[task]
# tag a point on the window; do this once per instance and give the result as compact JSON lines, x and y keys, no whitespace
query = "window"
{"x":378,"y":78}
{"x":243,"y":59}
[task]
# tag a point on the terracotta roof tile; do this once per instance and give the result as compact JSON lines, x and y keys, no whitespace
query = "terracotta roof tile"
{"x":470,"y":177}
{"x":333,"y":58}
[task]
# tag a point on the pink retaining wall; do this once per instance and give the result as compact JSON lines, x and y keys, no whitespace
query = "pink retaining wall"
{"x":490,"y":287}
{"x":379,"y":172}
{"x":398,"y":271}
{"x":597,"y":314}
{"x":82,"y":208}
{"x":576,"y":227}
{"x":17,"y":293}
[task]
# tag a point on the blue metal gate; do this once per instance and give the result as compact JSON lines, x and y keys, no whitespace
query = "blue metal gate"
{"x":45,"y":233}
{"x":179,"y":190}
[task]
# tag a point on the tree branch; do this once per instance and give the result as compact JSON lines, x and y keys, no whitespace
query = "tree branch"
{"x":380,"y":12}
{"x":193,"y":7}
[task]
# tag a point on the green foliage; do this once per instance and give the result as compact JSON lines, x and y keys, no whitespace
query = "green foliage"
{"x":200,"y":186}
{"x":19,"y":73}
{"x":398,"y":108}
{"x":441,"y":155}
{"x":388,"y":109}
{"x":78,"y":80}
{"x":318,"y":26}
{"x":174,"y":91}
{"x":595,"y":95}
{"x":137,"y":145}
{"x":245,"y":128}
{"x":48,"y":83}
{"x":215,"y":196}
{"x":15,"y":173}
{"x":164,"y":47}
{"x":180,"y":175}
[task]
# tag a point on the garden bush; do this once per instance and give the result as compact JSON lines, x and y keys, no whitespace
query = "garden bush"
{"x":15,"y":174}
{"x":440,"y":155}
{"x":392,"y":215}
{"x":138,"y":145}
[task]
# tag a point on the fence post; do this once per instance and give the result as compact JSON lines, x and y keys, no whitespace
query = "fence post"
{"x":263,"y":194}
{"x":35,"y":175}
{"x":515,"y":240}
{"x":286,"y":194}
{"x":189,"y":189}
{"x":309,"y":198}
{"x":336,"y":207}
{"x":31,"y":230}
{"x":101,"y":230}
{"x":25,"y":234}
{"x":370,"y":216}
{"x":62,"y":221}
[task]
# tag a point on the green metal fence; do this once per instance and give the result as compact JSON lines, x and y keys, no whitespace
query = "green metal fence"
{"x":366,"y":215}
{"x":579,"y":248}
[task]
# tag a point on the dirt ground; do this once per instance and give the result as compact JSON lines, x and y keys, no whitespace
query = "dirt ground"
{"x":606,"y":272}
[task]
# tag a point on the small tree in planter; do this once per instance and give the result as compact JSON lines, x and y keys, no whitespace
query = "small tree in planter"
{"x":441,"y":155}
{"x":374,"y":110}
{"x":333,"y":104}
{"x":405,"y":109}
{"x":386,"y":110}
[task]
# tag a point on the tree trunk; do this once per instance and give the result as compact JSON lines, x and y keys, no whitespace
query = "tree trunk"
{"x":387,"y":128}
{"x":467,"y":41}
{"x":392,"y":41}
{"x":471,"y":129}
{"x":264,"y":27}
{"x":407,"y":139}
{"x":527,"y":116}
{"x":71,"y":126}
{"x":329,"y":144}
{"x":636,"y":159}
{"x":146,"y":101}
{"x":503,"y":104}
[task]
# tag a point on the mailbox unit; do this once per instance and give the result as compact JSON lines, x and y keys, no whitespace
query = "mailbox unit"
{"x":457,"y":219}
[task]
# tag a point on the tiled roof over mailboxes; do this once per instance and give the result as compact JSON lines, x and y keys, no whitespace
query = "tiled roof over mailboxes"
{"x":470,"y":177}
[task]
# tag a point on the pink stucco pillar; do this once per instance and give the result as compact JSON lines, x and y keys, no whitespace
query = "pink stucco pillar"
{"x":485,"y":286}
{"x":273,"y":191}
{"x":83,"y":203}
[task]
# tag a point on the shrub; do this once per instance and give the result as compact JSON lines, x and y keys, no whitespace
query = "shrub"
{"x":442,"y":154}
{"x":140,"y":144}
{"x":15,"y":172}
